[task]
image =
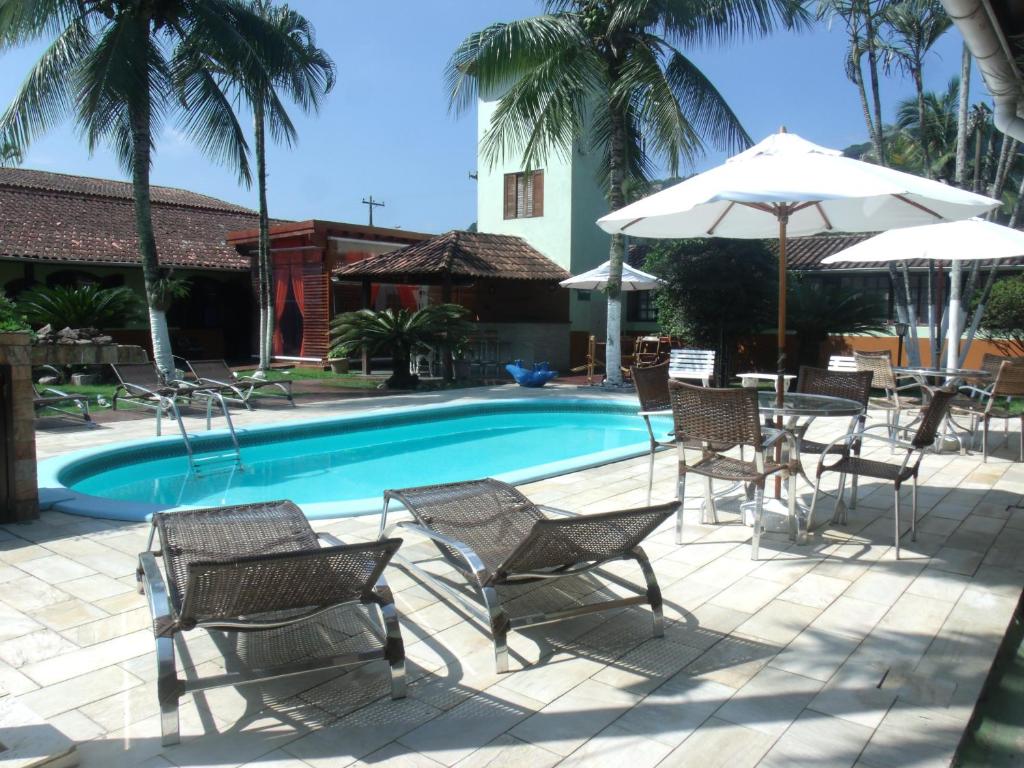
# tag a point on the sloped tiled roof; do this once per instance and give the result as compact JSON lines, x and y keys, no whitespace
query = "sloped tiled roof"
{"x":461,"y":254}
{"x":56,"y":217}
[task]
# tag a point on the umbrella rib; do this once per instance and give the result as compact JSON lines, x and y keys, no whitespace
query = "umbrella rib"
{"x":924,"y":208}
{"x":824,"y":217}
{"x":634,"y":221}
{"x":719,"y":219}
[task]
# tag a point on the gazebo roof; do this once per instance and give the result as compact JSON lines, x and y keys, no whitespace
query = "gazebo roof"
{"x":460,"y":255}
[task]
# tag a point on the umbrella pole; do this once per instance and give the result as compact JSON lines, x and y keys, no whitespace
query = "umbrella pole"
{"x":780,"y":380}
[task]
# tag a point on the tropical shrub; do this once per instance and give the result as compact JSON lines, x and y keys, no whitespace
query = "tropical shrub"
{"x":87,"y":306}
{"x":1003,"y":320}
{"x":11,"y":320}
{"x":815,"y":309}
{"x":398,"y":332}
{"x":716,"y":291}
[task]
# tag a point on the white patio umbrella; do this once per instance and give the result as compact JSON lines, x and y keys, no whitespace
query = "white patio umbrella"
{"x":595,"y":279}
{"x":788,"y":186}
{"x":968,"y":240}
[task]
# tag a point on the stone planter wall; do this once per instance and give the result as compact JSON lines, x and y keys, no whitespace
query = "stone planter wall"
{"x":23,"y":497}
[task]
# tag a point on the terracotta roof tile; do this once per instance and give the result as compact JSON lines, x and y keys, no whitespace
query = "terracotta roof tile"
{"x":55,"y":217}
{"x":463,"y":254}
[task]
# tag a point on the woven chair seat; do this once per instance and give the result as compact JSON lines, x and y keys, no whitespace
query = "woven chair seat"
{"x":720,"y":467}
{"x":972,"y":406}
{"x":813,"y":446}
{"x":880,"y":470}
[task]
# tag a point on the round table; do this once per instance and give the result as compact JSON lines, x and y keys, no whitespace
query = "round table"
{"x":799,"y":404}
{"x":957,"y":374}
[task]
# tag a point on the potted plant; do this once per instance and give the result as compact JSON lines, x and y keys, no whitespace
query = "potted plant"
{"x":398,"y":332}
{"x":338,"y":364}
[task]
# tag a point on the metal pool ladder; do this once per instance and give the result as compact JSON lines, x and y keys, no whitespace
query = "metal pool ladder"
{"x":231,"y":459}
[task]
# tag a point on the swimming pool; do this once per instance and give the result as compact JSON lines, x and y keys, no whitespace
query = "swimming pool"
{"x":341,"y":466}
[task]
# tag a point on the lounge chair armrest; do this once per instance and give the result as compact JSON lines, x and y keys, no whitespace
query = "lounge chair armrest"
{"x":330,"y":538}
{"x":654,"y":413}
{"x":556,"y":511}
{"x":464,"y":550}
{"x":207,"y":381}
{"x":56,"y":392}
{"x":155,"y":589}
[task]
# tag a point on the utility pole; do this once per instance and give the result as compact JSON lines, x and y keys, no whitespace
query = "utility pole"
{"x":371,"y":204}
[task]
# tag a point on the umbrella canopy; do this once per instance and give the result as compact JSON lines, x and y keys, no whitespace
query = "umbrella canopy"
{"x":816,"y":188}
{"x":968,"y":240}
{"x":787,"y":185}
{"x":632,"y":279}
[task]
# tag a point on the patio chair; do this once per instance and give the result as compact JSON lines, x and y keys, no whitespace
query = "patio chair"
{"x":48,"y":399}
{"x":694,"y":364}
{"x":883,"y":377}
{"x":258,"y":573}
{"x":651,"y":384}
{"x":497,"y":539}
{"x":216,"y":375}
{"x":712,"y":418}
{"x":848,"y":463}
{"x":852,"y":385}
{"x":1009,"y":383}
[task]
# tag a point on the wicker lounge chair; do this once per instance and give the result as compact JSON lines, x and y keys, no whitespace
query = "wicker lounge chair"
{"x":287,"y":606}
{"x":48,"y":398}
{"x":1008,"y":383}
{"x":216,"y":375}
{"x":852,"y":385}
{"x":714,"y":418}
{"x":140,"y":384}
{"x":848,"y":463}
{"x":498,"y":539}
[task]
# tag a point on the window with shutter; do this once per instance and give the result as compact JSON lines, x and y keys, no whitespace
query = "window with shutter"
{"x":524,"y":195}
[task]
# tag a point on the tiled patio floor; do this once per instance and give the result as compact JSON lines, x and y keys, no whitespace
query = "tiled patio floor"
{"x":832,"y":654}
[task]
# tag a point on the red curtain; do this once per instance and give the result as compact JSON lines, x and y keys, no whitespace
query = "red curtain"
{"x":281,"y":275}
{"x":298,"y":289}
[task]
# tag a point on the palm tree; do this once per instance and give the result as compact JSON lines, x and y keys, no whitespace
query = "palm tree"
{"x":122,"y":68}
{"x":398,"y":332}
{"x":914,"y":27}
{"x":10,"y":155}
{"x":609,"y":72}
{"x":305,"y":76}
{"x":933,"y":146}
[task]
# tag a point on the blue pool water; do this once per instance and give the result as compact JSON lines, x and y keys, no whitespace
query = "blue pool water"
{"x":342,"y":465}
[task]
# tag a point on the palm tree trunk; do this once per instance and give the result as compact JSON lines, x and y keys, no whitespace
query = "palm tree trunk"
{"x":858,"y":80}
{"x":961,"y":119}
{"x":922,"y":122}
{"x":1006,"y":155}
{"x":139,"y":115}
{"x":978,"y":137}
{"x":872,"y":49}
{"x":617,"y":250}
{"x":1015,"y":216}
{"x":263,"y":266}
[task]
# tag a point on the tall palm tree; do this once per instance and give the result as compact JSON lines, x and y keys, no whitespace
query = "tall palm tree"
{"x":609,"y":73}
{"x":122,"y":68}
{"x":929,"y":121}
{"x":914,"y":26}
{"x":305,"y":76}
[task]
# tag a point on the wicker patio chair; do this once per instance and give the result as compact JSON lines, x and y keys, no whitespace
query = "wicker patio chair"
{"x":852,"y":385}
{"x":216,"y":375}
{"x":497,"y":539}
{"x":1009,"y":383}
{"x":894,"y":402}
{"x":711,"y":418}
{"x":848,"y":463}
{"x":48,"y":398}
{"x":258,"y":573}
{"x":651,"y":384}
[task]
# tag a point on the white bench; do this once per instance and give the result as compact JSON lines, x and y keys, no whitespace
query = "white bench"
{"x":750,"y":380}
{"x":842,"y":363}
{"x":697,"y":364}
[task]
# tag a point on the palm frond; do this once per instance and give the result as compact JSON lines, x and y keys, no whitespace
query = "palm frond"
{"x":47,"y":95}
{"x":492,"y":60}
{"x":715,"y":22}
{"x":22,"y":21}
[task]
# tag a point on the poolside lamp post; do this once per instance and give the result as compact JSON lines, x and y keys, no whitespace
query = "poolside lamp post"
{"x":901,"y":332}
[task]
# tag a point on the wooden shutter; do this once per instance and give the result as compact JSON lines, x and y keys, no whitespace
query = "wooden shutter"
{"x":510,"y":195}
{"x":538,"y":193}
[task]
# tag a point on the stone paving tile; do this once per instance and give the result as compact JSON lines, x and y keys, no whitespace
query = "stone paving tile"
{"x":828,"y":654}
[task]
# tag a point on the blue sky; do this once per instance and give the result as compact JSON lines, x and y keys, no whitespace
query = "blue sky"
{"x":385,"y":129}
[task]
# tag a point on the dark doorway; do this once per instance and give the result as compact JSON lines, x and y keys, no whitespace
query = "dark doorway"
{"x":291,"y":325}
